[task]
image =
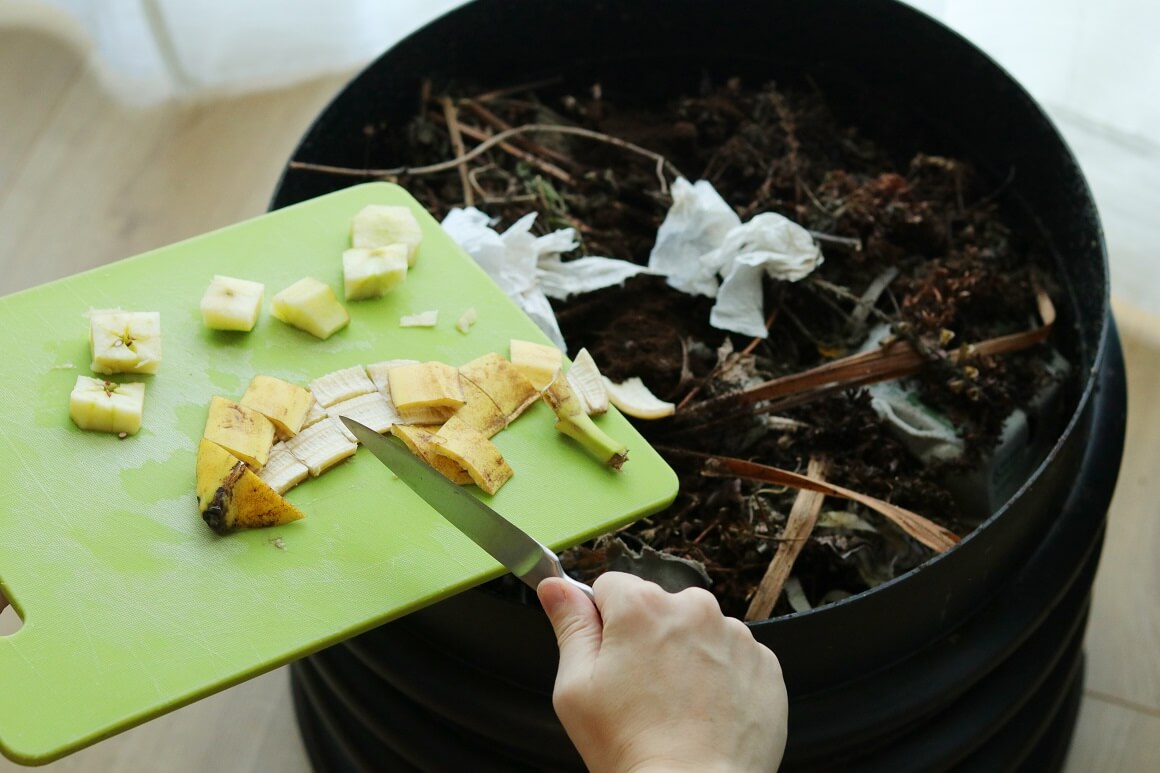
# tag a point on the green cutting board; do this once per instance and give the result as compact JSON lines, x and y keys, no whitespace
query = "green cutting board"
{"x":132,"y":607}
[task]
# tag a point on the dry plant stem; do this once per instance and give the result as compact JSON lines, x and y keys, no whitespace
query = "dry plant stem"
{"x":457,"y":143}
{"x":798,"y":527}
{"x":529,"y":145}
{"x":895,"y":360}
{"x":729,"y":363}
{"x":662,"y":164}
{"x":922,"y":529}
{"x":488,"y":96}
{"x":544,"y":166}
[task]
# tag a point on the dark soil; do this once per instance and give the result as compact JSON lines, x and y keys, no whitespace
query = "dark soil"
{"x":965,"y":273}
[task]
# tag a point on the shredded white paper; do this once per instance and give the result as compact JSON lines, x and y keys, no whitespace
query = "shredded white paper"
{"x":702,"y":239}
{"x":529,"y":269}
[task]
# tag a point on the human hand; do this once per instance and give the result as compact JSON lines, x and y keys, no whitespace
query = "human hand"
{"x":650,"y":680}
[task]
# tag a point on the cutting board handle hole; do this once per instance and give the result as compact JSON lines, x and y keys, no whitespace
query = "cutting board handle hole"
{"x":10,"y":621}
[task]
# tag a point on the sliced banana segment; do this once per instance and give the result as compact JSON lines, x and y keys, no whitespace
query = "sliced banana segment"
{"x":317,"y":413}
{"x":282,"y":470}
{"x":125,"y":341}
{"x":341,"y":385}
{"x":634,"y":398}
{"x":426,"y":385}
{"x":421,"y":442}
{"x":585,"y":379}
{"x":472,"y":451}
{"x":372,"y":410}
{"x":321,"y":446}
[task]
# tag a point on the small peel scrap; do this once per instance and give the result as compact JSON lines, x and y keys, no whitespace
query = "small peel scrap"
{"x":927,"y":532}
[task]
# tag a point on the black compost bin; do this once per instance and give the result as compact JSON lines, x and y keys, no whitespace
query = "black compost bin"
{"x":972,"y":660}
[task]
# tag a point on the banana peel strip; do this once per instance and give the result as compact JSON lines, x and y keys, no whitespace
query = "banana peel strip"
{"x":935,"y":537}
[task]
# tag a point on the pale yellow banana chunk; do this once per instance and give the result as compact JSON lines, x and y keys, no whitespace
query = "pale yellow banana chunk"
{"x":378,"y":372}
{"x":316,"y":414}
{"x":377,"y":225}
{"x":428,"y":318}
{"x":372,"y":273}
{"x":321,"y":446}
{"x":311,"y":305}
{"x":341,"y":385}
{"x":105,"y":406}
{"x":232,"y":304}
{"x":125,"y":341}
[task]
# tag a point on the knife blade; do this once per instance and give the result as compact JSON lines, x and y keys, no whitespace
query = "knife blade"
{"x":521,"y":554}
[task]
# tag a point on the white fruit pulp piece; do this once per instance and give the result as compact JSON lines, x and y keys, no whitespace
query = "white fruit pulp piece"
{"x":373,"y":410}
{"x":317,"y":414}
{"x":377,"y":225}
{"x":422,"y":319}
{"x":125,"y":341}
{"x":321,"y":446}
{"x":371,"y":273}
{"x":104,"y":406}
{"x":341,"y":385}
{"x":282,"y":470}
{"x":310,"y":305}
{"x":231,"y":304}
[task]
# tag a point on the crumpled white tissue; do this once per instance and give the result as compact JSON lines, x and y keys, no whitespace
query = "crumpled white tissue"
{"x":528,"y":268}
{"x":702,"y":239}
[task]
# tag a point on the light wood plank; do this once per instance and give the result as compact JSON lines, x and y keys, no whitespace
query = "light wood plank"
{"x":38,"y":70}
{"x":1123,"y":636}
{"x":1113,"y":739}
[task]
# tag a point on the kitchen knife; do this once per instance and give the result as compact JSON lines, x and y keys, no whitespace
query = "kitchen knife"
{"x":523,"y":556}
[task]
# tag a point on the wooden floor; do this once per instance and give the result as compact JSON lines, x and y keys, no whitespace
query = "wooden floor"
{"x":84,"y":181}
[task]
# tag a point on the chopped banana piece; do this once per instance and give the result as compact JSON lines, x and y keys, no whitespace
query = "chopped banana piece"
{"x":377,"y":225}
{"x":480,"y":412}
{"x":466,"y":320}
{"x":242,"y":431}
{"x":585,"y":379}
{"x":502,"y":382}
{"x":572,"y":421}
{"x":474,"y":452}
{"x":317,"y":413}
{"x":311,"y":305}
{"x":105,"y":406}
{"x":420,"y":441}
{"x":125,"y":341}
{"x":341,"y":385}
{"x":232,"y":304}
{"x":372,"y":410}
{"x":285,"y":404}
{"x":321,"y":446}
{"x":371,"y":273}
{"x":282,"y":470}
{"x":422,"y":319}
{"x":426,"y":385}
{"x":378,"y":372}
{"x":230,"y":496}
{"x":634,"y":398}
{"x":539,"y":362}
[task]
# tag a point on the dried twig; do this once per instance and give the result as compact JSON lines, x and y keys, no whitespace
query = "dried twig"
{"x":798,"y":527}
{"x":894,"y":360}
{"x":544,"y":166}
{"x":457,"y":144}
{"x":529,"y":145}
{"x":925,"y":531}
{"x":662,"y":163}
{"x":729,"y":362}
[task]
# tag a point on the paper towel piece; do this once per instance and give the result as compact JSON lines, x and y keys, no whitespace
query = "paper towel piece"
{"x":703,"y":248}
{"x":529,"y":269}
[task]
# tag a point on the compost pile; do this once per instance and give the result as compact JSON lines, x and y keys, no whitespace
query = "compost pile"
{"x":914,"y":241}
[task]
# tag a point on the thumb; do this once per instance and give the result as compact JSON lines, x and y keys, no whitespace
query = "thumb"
{"x":576,"y":621}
